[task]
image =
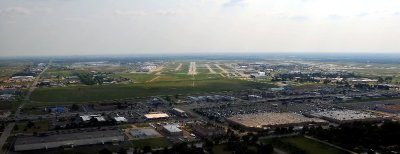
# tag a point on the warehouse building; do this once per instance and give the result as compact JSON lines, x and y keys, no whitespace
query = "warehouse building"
{"x":25,"y":143}
{"x":156,"y":115}
{"x":272,"y":120}
{"x":172,"y":129}
{"x":179,"y":112}
{"x":120,"y":119}
{"x":208,"y":132}
{"x":86,"y":118}
{"x":343,"y":116}
{"x":144,"y":133}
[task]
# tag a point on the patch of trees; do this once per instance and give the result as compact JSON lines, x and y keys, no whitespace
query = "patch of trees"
{"x":90,"y":79}
{"x":74,"y":107}
{"x":86,"y":78}
{"x":25,"y":73}
{"x":362,"y":136}
{"x":385,"y":80}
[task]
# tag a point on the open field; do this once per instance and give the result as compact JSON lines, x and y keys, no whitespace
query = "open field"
{"x":37,"y":127}
{"x":55,"y":72}
{"x":12,"y":106}
{"x":293,"y":144}
{"x":97,"y":93}
{"x":6,"y":71}
{"x":136,"y":77}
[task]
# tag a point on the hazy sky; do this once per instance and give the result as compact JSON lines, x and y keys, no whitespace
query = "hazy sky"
{"x":74,"y":27}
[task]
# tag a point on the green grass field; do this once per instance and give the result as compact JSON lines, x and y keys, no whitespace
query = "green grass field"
{"x":136,"y":77}
{"x":109,"y":92}
{"x":6,"y":71}
{"x":304,"y":144}
{"x":12,"y":106}
{"x":39,"y":126}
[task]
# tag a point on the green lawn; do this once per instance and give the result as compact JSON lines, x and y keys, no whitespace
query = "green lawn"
{"x":109,"y":92}
{"x":185,"y":68}
{"x":12,"y":106}
{"x":152,"y":142}
{"x":290,"y":144}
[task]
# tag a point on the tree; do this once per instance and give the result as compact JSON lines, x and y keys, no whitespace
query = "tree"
{"x":266,"y":149}
{"x":74,"y":107}
{"x":246,"y":138}
{"x":389,"y":79}
{"x":122,"y":151}
{"x":16,"y":127}
{"x":167,"y":98}
{"x":30,"y":124}
{"x":105,"y":151}
{"x":146,"y":149}
{"x":380,"y":79}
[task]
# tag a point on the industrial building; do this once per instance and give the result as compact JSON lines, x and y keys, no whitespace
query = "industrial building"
{"x":87,"y":118}
{"x":120,"y":119}
{"x":272,"y":120}
{"x":156,"y":115}
{"x":143,"y":133}
{"x":179,"y":112}
{"x":24,"y":143}
{"x":208,"y":132}
{"x":342,"y":116}
{"x":172,"y":129}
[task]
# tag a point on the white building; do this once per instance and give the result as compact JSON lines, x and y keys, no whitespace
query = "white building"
{"x":156,"y":115}
{"x":120,"y":119}
{"x":172,"y":129}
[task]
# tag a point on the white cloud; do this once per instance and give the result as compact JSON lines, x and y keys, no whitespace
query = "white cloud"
{"x":232,"y":3}
{"x":130,"y":13}
{"x":16,"y":11}
{"x":130,"y":26}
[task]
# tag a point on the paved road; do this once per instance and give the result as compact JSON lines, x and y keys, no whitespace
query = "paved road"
{"x":279,"y":151}
{"x":210,"y":69}
{"x":5,"y":135}
{"x":192,"y":68}
{"x":179,"y":67}
{"x":31,"y":89}
{"x":10,"y":126}
{"x":222,"y":69}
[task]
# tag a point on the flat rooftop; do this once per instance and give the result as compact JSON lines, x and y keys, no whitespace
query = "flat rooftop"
{"x":156,"y":115}
{"x":144,"y":132}
{"x":172,"y":128}
{"x":345,"y":115}
{"x":66,"y":137}
{"x":272,"y":119}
